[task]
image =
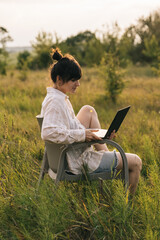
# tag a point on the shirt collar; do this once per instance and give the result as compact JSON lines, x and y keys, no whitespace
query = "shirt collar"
{"x":57,"y":92}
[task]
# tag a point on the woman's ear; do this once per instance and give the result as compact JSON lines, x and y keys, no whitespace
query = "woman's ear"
{"x":59,"y":81}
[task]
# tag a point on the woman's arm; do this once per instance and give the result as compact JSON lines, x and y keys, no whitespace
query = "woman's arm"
{"x":55,"y":126}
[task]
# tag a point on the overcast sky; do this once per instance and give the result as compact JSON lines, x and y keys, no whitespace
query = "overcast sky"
{"x":25,"y":18}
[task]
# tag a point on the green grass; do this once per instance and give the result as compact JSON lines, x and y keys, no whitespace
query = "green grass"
{"x":78,"y":211}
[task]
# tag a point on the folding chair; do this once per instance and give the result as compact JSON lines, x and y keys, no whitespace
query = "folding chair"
{"x":55,"y":163}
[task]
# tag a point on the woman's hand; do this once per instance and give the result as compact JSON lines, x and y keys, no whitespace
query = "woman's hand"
{"x":91,"y":136}
{"x":113,"y":134}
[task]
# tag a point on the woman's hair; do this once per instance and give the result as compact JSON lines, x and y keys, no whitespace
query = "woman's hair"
{"x":66,"y":67}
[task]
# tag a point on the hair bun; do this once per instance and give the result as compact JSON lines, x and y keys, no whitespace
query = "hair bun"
{"x":56,"y":54}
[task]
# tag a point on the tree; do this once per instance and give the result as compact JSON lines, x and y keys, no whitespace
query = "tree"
{"x":4,"y":38}
{"x":42,"y":48}
{"x":85,"y":47}
{"x":115,"y":44}
{"x":23,"y":64}
{"x":22,"y":59}
{"x":145,"y":29}
{"x":126,"y":47}
{"x":111,"y":39}
{"x":113,"y":76}
{"x":152,"y":51}
{"x":94,"y":52}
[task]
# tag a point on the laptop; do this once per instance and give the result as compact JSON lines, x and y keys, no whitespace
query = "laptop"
{"x":118,"y":119}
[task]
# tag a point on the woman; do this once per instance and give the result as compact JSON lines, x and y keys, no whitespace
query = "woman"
{"x":60,"y":125}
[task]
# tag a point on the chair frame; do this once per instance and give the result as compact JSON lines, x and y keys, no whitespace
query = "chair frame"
{"x":62,"y":173}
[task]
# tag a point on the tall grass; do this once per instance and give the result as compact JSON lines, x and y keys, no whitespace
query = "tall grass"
{"x":78,"y":210}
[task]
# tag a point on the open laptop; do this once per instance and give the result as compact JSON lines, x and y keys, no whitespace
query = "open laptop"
{"x":118,"y":119}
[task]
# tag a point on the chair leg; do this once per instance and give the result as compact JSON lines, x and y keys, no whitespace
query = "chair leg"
{"x":101,"y":185}
{"x":44,"y":168}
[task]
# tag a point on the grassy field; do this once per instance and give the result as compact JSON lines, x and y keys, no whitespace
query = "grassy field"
{"x":78,"y":211}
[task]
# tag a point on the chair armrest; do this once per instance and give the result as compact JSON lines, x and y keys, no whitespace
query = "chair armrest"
{"x":88,"y":144}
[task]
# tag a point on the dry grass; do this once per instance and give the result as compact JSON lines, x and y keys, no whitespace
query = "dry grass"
{"x":77,"y":211}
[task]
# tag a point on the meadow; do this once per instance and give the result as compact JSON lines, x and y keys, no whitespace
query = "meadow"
{"x":78,"y":211}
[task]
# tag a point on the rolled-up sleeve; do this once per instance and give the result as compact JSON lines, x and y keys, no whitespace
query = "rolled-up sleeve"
{"x":55,"y":126}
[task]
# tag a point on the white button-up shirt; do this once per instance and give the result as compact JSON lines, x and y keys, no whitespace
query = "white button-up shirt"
{"x":61,"y":126}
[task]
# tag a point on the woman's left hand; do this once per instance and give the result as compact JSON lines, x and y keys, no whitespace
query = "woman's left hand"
{"x":113,"y":135}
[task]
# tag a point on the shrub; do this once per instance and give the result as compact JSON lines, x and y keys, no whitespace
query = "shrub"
{"x":113,"y":76}
{"x":22,"y":59}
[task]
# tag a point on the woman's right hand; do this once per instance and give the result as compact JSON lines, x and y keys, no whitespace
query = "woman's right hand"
{"x":91,"y":136}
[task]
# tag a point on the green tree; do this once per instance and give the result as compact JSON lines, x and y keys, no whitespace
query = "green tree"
{"x":115,"y":44}
{"x":94,"y":52}
{"x":23,"y":64}
{"x":42,"y":48}
{"x":113,"y":76}
{"x":111,"y":39}
{"x":132,"y":45}
{"x":156,"y":67}
{"x":144,"y":31}
{"x":22,"y":59}
{"x":85,"y":47}
{"x":152,"y":51}
{"x":4,"y":38}
{"x":152,"y":48}
{"x":126,"y":48}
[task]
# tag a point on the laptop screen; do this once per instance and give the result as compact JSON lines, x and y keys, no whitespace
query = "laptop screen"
{"x":118,"y":119}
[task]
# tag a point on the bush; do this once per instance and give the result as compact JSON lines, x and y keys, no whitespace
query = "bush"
{"x":22,"y":59}
{"x":42,"y":48}
{"x":3,"y":66}
{"x":113,"y":76}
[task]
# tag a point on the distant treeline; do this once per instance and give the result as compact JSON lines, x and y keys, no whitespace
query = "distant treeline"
{"x":139,"y":43}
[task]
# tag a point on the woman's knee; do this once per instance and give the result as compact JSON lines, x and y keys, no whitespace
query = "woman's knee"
{"x":86,"y":115}
{"x":135,"y":163}
{"x":88,"y":108}
{"x":138,"y":162}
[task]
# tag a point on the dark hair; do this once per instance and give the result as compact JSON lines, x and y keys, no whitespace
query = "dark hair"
{"x":66,"y":67}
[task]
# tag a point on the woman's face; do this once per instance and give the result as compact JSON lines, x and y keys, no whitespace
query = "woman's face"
{"x":69,"y":87}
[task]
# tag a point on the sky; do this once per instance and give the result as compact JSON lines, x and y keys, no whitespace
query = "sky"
{"x":24,"y":19}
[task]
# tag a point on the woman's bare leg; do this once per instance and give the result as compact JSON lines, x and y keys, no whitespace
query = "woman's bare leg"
{"x":89,"y":119}
{"x":134,"y":166}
